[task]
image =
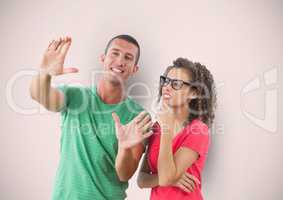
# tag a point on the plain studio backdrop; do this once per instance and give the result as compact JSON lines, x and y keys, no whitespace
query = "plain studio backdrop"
{"x":239,"y":41}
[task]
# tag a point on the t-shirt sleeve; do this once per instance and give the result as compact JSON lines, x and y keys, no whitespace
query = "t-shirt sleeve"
{"x":197,"y":137}
{"x":75,"y":98}
{"x":63,"y":88}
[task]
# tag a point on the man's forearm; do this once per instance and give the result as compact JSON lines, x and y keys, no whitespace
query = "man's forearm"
{"x":125,"y":164}
{"x":42,"y":92}
{"x":146,"y":180}
{"x":40,"y":87}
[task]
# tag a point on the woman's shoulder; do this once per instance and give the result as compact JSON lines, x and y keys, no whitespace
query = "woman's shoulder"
{"x":197,"y":126}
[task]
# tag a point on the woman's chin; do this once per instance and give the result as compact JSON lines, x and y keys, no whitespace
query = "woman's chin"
{"x":167,"y":102}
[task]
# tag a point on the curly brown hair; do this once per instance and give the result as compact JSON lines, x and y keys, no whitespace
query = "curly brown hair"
{"x":203,"y":106}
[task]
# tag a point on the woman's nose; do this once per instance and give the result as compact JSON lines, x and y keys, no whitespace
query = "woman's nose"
{"x":167,"y":87}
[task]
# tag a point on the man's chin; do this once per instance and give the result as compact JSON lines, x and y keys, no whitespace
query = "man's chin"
{"x":115,"y":82}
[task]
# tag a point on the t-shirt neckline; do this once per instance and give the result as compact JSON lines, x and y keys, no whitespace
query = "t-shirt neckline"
{"x":94,"y":89}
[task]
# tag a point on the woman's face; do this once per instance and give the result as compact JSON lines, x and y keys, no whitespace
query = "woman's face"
{"x":179,"y":97}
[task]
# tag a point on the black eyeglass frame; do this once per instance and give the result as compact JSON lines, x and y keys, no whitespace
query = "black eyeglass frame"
{"x":164,"y":80}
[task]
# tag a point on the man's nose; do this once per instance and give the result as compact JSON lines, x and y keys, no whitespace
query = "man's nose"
{"x":120,"y":61}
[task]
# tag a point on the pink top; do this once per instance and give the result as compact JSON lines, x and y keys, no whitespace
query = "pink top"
{"x":194,"y":136}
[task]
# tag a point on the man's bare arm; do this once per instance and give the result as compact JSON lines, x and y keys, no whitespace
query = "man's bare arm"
{"x":130,"y":147}
{"x":127,"y":161}
{"x":51,"y":65}
{"x":41,"y":91}
{"x":145,"y":178}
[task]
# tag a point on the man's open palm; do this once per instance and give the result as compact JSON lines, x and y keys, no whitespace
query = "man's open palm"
{"x":134,"y":132}
{"x":54,"y":57}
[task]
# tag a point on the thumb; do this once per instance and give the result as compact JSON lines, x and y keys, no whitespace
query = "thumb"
{"x":70,"y":70}
{"x":116,"y":119}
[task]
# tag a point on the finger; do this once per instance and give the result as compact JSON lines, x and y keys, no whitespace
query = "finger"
{"x":146,"y":135}
{"x":187,"y":185}
{"x":59,"y":43}
{"x":182,"y":187}
{"x":63,"y":40}
{"x":147,"y":127}
{"x":144,"y":121}
{"x":53,"y":45}
{"x":116,"y":119}
{"x":56,"y":44}
{"x":140,"y":116}
{"x":195,"y":179}
{"x":189,"y":181}
{"x":70,"y":70}
{"x":65,"y":47}
{"x":50,"y":43}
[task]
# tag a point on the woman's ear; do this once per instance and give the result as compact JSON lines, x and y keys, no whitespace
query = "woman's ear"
{"x":193,"y":94}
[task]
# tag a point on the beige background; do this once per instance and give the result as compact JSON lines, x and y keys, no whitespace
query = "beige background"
{"x":240,"y":41}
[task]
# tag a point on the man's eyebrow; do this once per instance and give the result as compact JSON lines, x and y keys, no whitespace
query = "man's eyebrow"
{"x":115,"y":49}
{"x":128,"y":54}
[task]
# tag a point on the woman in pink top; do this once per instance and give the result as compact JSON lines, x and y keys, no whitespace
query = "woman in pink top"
{"x":178,"y":148}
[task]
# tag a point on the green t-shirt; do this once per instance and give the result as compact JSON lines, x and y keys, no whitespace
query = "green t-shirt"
{"x":89,"y":146}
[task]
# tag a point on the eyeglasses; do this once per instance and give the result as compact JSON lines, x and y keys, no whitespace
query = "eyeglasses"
{"x":175,"y":83}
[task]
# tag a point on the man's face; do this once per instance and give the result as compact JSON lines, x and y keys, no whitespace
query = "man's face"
{"x":120,"y":60}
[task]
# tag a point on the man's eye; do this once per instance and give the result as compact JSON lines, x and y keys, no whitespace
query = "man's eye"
{"x":115,"y":53}
{"x":128,"y":58}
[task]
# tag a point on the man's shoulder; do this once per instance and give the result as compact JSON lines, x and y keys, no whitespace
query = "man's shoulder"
{"x":76,"y":97}
{"x":75,"y":90}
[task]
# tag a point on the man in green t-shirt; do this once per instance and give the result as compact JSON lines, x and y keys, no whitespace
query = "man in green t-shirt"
{"x":95,"y":163}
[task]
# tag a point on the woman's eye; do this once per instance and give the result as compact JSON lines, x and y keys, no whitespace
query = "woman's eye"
{"x":177,"y":83}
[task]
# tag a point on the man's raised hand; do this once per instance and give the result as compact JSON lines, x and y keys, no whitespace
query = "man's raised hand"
{"x":135,"y":131}
{"x":54,"y":57}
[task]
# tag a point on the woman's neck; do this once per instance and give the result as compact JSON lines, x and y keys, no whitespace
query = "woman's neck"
{"x":181,"y":115}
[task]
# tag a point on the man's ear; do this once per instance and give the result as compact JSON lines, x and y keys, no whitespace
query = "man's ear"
{"x":135,"y":69}
{"x":102,"y":58}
